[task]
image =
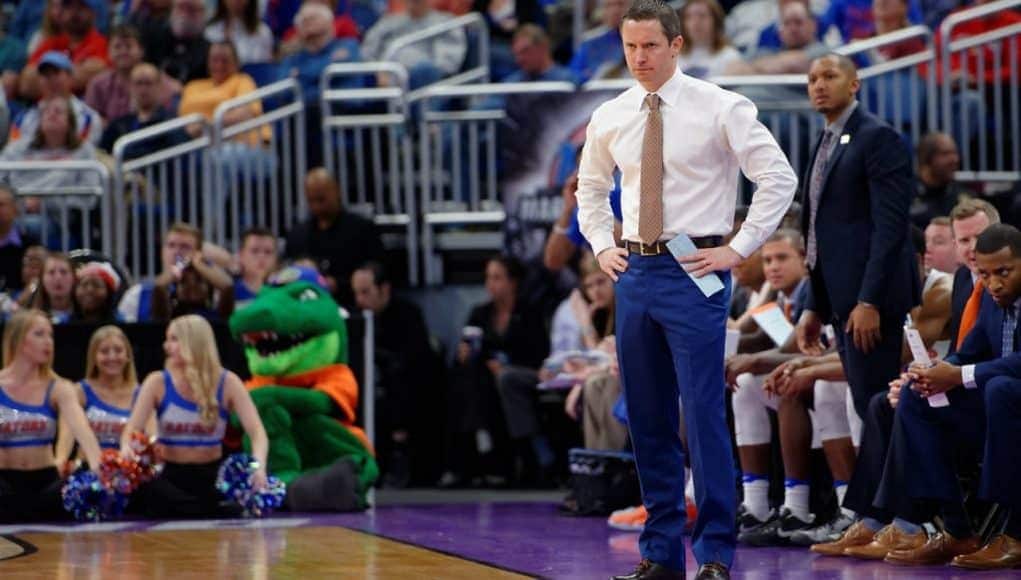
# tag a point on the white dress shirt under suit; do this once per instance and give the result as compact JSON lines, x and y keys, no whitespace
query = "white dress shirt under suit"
{"x":708,"y":134}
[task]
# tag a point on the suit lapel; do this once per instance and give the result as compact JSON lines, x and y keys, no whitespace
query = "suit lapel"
{"x":839,"y":146}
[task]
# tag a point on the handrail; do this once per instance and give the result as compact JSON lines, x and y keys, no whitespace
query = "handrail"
{"x":470,"y":20}
{"x":487,"y":89}
{"x":257,"y":95}
{"x":156,"y":130}
{"x":895,"y":37}
{"x":394,"y":69}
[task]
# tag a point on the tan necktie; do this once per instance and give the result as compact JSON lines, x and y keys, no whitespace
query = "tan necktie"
{"x":650,"y":204}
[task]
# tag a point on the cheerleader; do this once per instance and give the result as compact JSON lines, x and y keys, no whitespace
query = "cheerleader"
{"x":32,"y":401}
{"x":192,"y":398}
{"x":107,"y":391}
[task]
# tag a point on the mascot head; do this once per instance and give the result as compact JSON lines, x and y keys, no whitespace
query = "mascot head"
{"x":292,"y":327}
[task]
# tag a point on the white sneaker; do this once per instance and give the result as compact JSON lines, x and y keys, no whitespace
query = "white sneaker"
{"x":828,"y":532}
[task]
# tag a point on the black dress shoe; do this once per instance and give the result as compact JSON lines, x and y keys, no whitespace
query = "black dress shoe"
{"x":712,"y":571}
{"x":647,"y":570}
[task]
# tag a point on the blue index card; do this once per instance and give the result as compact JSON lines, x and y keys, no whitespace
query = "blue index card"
{"x":682,"y":246}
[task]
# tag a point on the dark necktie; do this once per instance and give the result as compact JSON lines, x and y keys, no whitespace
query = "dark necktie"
{"x":1009,"y":326}
{"x":814,"y":191}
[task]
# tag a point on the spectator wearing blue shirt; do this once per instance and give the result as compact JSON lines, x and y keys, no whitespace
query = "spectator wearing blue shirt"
{"x":853,"y":18}
{"x":601,"y":49}
{"x":319,"y":48}
{"x":533,"y":55}
{"x":565,"y":238}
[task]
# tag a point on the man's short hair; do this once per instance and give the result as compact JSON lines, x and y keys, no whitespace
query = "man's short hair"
{"x":532,"y":33}
{"x":844,"y":62}
{"x":918,"y":238}
{"x":126,"y":31}
{"x":791,"y":236}
{"x":378,"y":272}
{"x":188,"y":230}
{"x":642,"y":10}
{"x":972,"y":206}
{"x":999,"y":236}
{"x":257,"y":232}
{"x":940,"y":220}
{"x":8,"y":189}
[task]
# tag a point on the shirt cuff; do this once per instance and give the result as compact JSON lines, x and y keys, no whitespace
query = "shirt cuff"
{"x":601,"y":242}
{"x":968,"y":377}
{"x":744,"y":243}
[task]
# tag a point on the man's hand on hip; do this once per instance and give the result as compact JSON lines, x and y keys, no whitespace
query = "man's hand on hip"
{"x":809,"y":333}
{"x":708,"y":260}
{"x":611,"y":261}
{"x":863,"y":326}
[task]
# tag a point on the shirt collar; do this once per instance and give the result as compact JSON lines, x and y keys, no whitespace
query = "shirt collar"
{"x":837,"y":127}
{"x":668,"y":93}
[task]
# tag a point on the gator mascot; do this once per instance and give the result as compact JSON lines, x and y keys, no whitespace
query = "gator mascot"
{"x":295,"y":341}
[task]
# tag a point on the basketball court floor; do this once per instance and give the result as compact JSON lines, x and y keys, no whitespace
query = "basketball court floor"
{"x":456,"y":535}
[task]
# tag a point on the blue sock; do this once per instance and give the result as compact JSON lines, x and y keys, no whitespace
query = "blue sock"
{"x":873,"y":524}
{"x":906,"y":526}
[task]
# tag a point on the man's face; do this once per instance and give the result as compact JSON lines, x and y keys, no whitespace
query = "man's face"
{"x":178,"y":246}
{"x":945,"y":161}
{"x":54,"y":82}
{"x":651,"y":58}
{"x":187,"y":18}
{"x":368,"y":296}
{"x":258,"y":255}
{"x":125,"y":52}
{"x":8,"y":209}
{"x":529,"y":56}
{"x":889,"y":11}
{"x":966,"y":231}
{"x":782,"y":264}
{"x":76,"y":17}
{"x":830,"y":87}
{"x":145,"y":91}
{"x":323,"y":200}
{"x":1001,"y":273}
{"x":940,"y":251}
{"x":797,"y":26}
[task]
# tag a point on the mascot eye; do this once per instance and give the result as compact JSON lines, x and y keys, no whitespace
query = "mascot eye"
{"x":307,"y":294}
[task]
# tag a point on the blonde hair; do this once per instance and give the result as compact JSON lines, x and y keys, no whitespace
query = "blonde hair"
{"x":14,"y":335}
{"x":202,"y":366}
{"x":129,"y":376}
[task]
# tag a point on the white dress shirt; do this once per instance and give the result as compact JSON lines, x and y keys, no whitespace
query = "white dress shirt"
{"x":708,"y":134}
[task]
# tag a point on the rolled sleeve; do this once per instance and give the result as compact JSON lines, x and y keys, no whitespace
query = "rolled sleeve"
{"x":595,"y":180}
{"x":764,"y":163}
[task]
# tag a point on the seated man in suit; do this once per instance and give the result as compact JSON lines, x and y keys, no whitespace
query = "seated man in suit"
{"x":879,"y":532}
{"x":931,"y":437}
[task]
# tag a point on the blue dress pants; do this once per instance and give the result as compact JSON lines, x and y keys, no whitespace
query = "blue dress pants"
{"x":670,"y":341}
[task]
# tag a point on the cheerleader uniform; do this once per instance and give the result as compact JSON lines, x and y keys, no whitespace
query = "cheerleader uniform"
{"x":34,"y":494}
{"x":185,"y":489}
{"x":107,"y":421}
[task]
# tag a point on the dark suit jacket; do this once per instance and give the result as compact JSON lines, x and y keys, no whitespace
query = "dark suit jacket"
{"x":862,"y":223}
{"x":983,"y":347}
{"x":958,"y":300}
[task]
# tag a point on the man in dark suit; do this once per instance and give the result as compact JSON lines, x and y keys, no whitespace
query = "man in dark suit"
{"x":857,"y":193}
{"x":867,"y":538}
{"x":930,"y":439}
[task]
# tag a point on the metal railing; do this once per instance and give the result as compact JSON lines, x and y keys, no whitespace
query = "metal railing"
{"x":84,"y":189}
{"x":259,"y":163}
{"x":370,"y":151}
{"x":997,"y":138}
{"x":156,"y":188}
{"x":464,"y":192}
{"x":894,"y":89}
{"x":472,"y":21}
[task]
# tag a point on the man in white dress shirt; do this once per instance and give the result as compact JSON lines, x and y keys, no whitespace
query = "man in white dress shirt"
{"x":679,"y":143}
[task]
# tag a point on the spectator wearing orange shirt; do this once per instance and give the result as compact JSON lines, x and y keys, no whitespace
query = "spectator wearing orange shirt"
{"x":80,"y":40}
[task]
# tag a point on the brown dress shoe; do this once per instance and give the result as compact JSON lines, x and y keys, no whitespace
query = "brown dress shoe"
{"x":939,"y":550}
{"x":888,"y":539}
{"x":649,"y":570}
{"x":1001,"y":552}
{"x":857,"y":535}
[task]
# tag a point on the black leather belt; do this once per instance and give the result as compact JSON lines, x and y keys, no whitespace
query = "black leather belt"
{"x":660,"y":247}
